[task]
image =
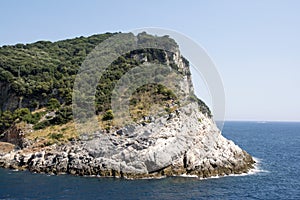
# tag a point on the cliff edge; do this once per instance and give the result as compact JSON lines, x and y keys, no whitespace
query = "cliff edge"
{"x":170,"y":133}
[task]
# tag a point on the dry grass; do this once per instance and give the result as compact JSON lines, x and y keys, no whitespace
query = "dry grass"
{"x":6,"y":147}
{"x":54,"y":134}
{"x":147,"y":104}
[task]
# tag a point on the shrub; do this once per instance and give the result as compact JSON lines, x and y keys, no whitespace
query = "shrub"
{"x":63,"y":115}
{"x":6,"y":120}
{"x":56,"y":136}
{"x":108,"y":115}
{"x":21,"y":112}
{"x":53,"y":104}
{"x":41,"y":125}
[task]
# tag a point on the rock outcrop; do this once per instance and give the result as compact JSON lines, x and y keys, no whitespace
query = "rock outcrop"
{"x":184,"y":141}
{"x":16,"y":135}
{"x":167,"y":146}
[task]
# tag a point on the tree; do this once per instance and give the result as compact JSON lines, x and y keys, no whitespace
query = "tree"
{"x":53,"y":104}
{"x":6,"y":120}
{"x":21,"y":112}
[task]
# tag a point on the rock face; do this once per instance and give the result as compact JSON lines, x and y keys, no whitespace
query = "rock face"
{"x":15,"y":134}
{"x":8,"y":100}
{"x":186,"y":143}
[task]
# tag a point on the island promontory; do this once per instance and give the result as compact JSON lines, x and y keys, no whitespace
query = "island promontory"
{"x":165,"y":130}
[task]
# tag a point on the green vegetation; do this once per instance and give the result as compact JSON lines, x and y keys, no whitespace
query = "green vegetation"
{"x":56,"y":136}
{"x":6,"y":120}
{"x":108,"y":115}
{"x":202,"y":106}
{"x":53,"y":104}
{"x":21,"y":114}
{"x":150,"y":99}
{"x":44,"y":70}
{"x":42,"y":74}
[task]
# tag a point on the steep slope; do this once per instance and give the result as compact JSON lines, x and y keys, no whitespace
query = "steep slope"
{"x":170,"y":133}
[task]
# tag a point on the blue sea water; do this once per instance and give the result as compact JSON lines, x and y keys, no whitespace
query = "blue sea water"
{"x":275,"y":144}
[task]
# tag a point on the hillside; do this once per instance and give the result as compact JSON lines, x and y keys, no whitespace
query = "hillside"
{"x":41,"y":74}
{"x":165,"y":130}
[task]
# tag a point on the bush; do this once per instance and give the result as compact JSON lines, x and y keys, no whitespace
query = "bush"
{"x":53,"y":104}
{"x":6,"y":120}
{"x":41,"y":125}
{"x":24,"y":115}
{"x":56,"y":136}
{"x":21,"y":112}
{"x":108,"y":115}
{"x":32,"y":118}
{"x":63,"y":115}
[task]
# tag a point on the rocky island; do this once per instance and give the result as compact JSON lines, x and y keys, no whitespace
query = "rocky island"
{"x":169,"y":134}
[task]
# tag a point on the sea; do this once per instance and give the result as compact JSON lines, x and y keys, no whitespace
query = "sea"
{"x":275,"y":145}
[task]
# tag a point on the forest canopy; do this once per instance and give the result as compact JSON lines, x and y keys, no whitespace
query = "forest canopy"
{"x":42,"y":74}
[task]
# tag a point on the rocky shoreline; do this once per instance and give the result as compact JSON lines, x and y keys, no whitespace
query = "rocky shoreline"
{"x":182,"y":140}
{"x":181,"y":146}
{"x":57,"y":161}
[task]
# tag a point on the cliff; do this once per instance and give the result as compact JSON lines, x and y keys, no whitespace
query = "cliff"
{"x":169,"y":134}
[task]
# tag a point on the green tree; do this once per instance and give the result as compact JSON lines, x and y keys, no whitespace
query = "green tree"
{"x":6,"y":120}
{"x":21,"y":112}
{"x":53,"y":104}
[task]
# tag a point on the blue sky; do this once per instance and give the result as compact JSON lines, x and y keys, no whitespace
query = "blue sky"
{"x":254,"y":44}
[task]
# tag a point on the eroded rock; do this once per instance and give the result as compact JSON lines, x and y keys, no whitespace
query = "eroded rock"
{"x":180,"y":145}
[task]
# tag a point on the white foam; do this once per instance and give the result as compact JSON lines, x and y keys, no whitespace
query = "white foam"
{"x":188,"y":176}
{"x":255,"y":170}
{"x":144,"y":178}
{"x":257,"y":160}
{"x":160,"y":177}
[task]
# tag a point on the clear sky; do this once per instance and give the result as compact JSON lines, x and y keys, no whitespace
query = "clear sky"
{"x":254,"y":44}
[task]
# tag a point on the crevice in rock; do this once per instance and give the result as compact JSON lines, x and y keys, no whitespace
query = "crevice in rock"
{"x":185,"y":160}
